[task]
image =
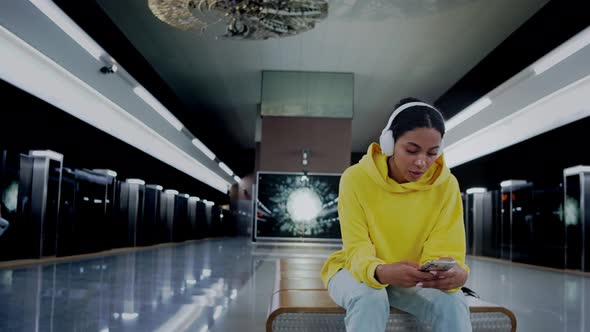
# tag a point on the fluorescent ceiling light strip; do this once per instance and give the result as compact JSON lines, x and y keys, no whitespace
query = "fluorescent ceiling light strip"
{"x":158,"y":107}
{"x":171,"y":191}
{"x":237,"y":179}
{"x":563,"y":51}
{"x":47,"y":153}
{"x":31,"y":71}
{"x":476,"y":190}
{"x":468,"y":112}
{"x":559,"y":108}
{"x":226,"y":169}
{"x":203,"y":148}
{"x":62,"y":20}
{"x":53,"y":12}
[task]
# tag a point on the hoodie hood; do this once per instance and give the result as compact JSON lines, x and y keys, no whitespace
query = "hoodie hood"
{"x":374,"y":163}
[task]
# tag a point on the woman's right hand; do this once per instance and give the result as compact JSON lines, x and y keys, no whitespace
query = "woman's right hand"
{"x":402,"y":274}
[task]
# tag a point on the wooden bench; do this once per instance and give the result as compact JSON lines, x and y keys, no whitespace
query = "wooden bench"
{"x":300,"y":302}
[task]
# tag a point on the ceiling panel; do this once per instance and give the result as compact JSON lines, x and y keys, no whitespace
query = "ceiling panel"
{"x":394,"y":48}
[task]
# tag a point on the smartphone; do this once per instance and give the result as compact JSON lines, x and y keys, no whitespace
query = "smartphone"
{"x":437,"y":265}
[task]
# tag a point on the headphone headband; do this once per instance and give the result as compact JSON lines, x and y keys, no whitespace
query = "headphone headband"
{"x":404,"y":107}
{"x":386,"y":140}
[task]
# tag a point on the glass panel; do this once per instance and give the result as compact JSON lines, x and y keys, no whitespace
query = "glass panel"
{"x":52,"y":208}
{"x":180,"y":218}
{"x":91,"y":229}
{"x":573,"y":224}
{"x":192,"y":219}
{"x":585,"y":216}
{"x":9,"y":191}
{"x":67,"y":214}
{"x":151,"y":217}
{"x":522,"y":223}
{"x":202,"y":226}
{"x":28,"y":237}
{"x":505,"y":224}
{"x":469,"y":221}
{"x":167,"y":216}
{"x":491,"y":227}
{"x":547,"y":247}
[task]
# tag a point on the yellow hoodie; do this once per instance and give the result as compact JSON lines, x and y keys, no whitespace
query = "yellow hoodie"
{"x":383,"y":221}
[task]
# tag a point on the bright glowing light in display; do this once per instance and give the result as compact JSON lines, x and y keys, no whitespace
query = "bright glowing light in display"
{"x":304,"y":205}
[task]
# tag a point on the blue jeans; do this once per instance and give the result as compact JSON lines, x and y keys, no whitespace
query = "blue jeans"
{"x":367,"y":308}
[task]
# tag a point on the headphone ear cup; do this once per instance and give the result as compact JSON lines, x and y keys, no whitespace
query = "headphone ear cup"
{"x":387,"y":142}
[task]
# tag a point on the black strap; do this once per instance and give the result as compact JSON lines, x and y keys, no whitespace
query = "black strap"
{"x":469,"y":292}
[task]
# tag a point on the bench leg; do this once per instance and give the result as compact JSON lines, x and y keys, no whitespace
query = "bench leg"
{"x":443,"y":311}
{"x":367,"y":308}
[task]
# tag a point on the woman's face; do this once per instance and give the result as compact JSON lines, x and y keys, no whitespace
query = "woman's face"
{"x":414,"y":152}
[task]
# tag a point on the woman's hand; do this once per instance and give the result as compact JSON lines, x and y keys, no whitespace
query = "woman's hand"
{"x":447,"y":280}
{"x":402,"y":274}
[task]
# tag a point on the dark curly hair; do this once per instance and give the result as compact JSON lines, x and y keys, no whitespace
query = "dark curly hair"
{"x":410,"y":119}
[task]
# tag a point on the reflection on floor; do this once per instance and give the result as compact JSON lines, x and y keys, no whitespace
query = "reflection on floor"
{"x":225,"y":285}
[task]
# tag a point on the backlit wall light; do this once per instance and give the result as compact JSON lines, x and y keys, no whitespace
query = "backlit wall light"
{"x":47,"y":153}
{"x":476,"y":190}
{"x":135,"y":181}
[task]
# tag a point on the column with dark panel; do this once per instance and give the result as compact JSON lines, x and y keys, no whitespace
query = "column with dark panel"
{"x":305,"y":143}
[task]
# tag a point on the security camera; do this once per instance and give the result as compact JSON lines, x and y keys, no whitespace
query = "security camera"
{"x":109,"y":69}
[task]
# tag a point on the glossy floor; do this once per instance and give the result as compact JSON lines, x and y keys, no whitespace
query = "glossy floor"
{"x":225,"y":285}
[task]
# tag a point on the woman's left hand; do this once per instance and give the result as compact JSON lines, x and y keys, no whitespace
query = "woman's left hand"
{"x":447,"y":280}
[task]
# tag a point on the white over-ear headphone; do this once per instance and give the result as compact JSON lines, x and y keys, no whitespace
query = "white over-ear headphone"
{"x":386,"y":140}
